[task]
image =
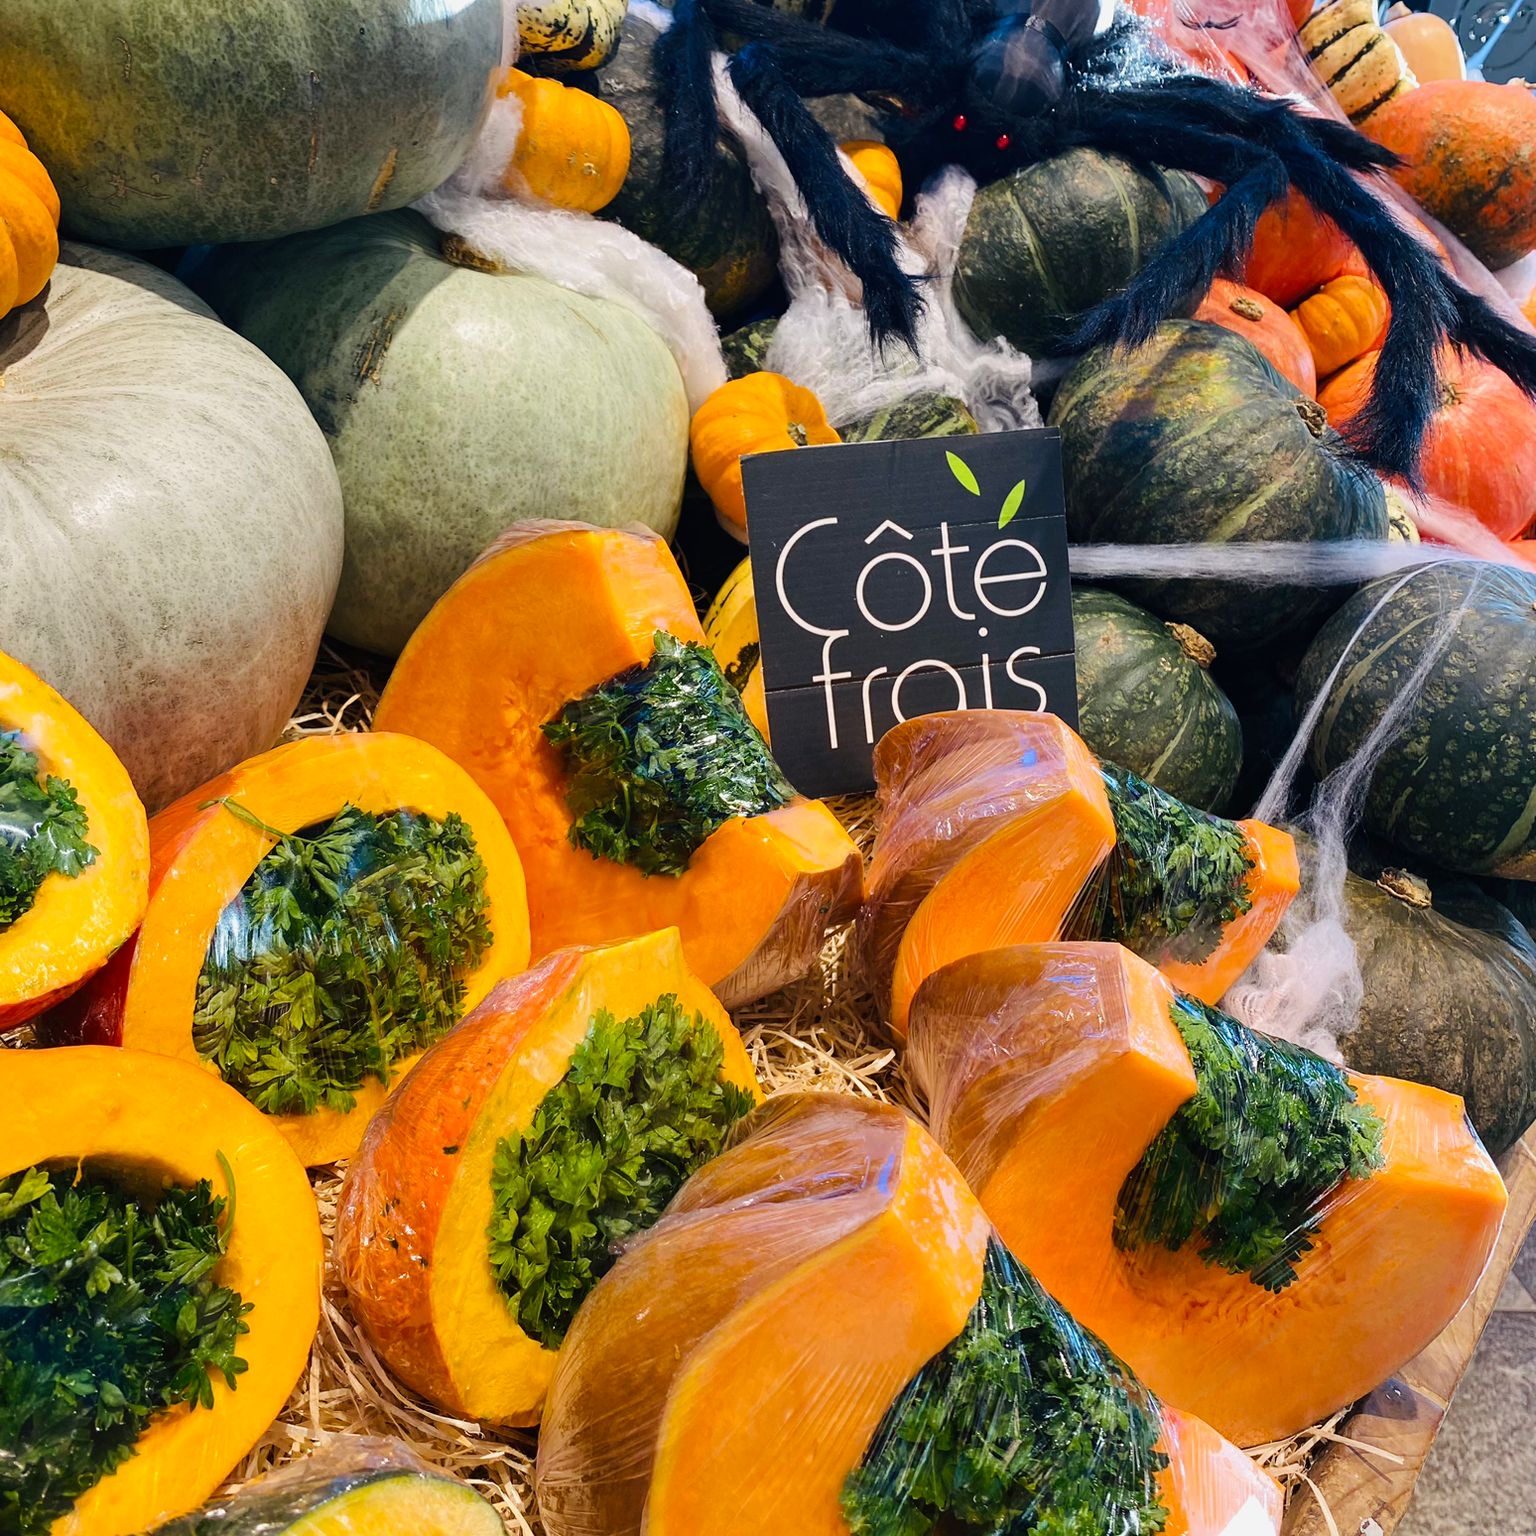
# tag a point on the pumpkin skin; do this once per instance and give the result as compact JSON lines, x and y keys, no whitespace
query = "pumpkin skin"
{"x":1295,"y":251}
{"x":1050,"y":241}
{"x":448,"y":419}
{"x":1455,"y":785}
{"x":29,"y":221}
{"x":572,"y":149}
{"x":174,"y":518}
{"x":1146,"y":700}
{"x":1429,"y":45}
{"x":167,"y":124}
{"x":1342,"y":321}
{"x":1195,"y":438}
{"x":1258,"y":320}
{"x":1470,"y":153}
{"x":881,"y":170}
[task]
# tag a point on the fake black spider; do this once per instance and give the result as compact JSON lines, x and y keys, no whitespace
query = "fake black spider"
{"x":994,"y":85}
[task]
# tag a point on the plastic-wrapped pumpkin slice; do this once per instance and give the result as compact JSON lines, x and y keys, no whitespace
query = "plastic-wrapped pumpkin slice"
{"x":499,"y":1182}
{"x":823,"y":1336}
{"x":317,"y":917}
{"x":1262,"y":1236}
{"x":1002,"y":828}
{"x":160,"y":1265}
{"x":568,"y":672}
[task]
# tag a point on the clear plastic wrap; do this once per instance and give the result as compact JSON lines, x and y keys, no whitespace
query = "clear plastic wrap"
{"x":1261,"y":1237}
{"x":823,"y":1336}
{"x":1002,"y":828}
{"x":353,"y":1485}
{"x":500,"y":1181}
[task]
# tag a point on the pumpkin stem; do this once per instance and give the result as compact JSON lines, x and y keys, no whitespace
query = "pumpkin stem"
{"x":1405,"y":886}
{"x":1314,"y":415}
{"x":461,"y":253}
{"x":1194,"y":645}
{"x":797,"y":433}
{"x":1246,"y":308}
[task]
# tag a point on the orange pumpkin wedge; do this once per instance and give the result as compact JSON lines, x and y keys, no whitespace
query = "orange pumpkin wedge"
{"x":1052,"y":1069}
{"x":999,"y":828}
{"x":154,"y":1122}
{"x":75,"y":921}
{"x":729,"y":1376}
{"x":551,"y":612}
{"x":205,"y":847}
{"x":412,"y":1238}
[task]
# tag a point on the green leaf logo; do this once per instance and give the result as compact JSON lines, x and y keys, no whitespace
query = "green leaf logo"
{"x":1011,"y":506}
{"x":963,"y":473}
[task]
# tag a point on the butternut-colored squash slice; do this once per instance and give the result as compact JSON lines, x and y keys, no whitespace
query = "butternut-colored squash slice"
{"x":557,"y":626}
{"x":398,"y":971}
{"x":483,"y":1121}
{"x":1058,"y":1071}
{"x":1001,"y":828}
{"x":66,"y":901}
{"x":150,"y":1125}
{"x":748,"y":1367}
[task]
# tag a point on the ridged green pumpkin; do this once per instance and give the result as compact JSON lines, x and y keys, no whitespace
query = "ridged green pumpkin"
{"x":1195,"y":438}
{"x":1050,"y":241}
{"x":1457,"y":784}
{"x":457,"y":400}
{"x":183,"y":122}
{"x":1147,"y":701}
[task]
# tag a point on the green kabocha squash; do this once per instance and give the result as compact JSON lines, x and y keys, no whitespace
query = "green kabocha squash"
{"x":1195,"y":438}
{"x":457,"y":399}
{"x":728,"y":240}
{"x":1456,"y":785}
{"x":170,"y":521}
{"x":565,"y":37}
{"x":1050,"y":241}
{"x":1146,"y":700}
{"x":182,"y":122}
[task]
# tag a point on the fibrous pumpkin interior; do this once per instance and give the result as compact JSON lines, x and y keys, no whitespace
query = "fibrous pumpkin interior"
{"x":502,"y":1179}
{"x":1261,"y":1237}
{"x":317,"y":916}
{"x":566,"y":670}
{"x":74,"y":848}
{"x":1002,"y":828}
{"x":172,"y":1194}
{"x":821,"y":1336}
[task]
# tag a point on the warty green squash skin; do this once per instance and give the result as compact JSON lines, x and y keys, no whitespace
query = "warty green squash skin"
{"x":1195,"y":438}
{"x":1048,"y":242}
{"x":456,"y":402}
{"x":1147,"y":701}
{"x":184,"y":122}
{"x":1457,"y":785}
{"x":170,"y":520}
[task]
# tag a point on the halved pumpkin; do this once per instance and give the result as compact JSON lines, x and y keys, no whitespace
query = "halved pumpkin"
{"x":75,"y":921}
{"x":743,"y":1369}
{"x":154,"y":1123}
{"x":559,"y":629}
{"x":1053,"y":1069}
{"x":1001,"y":827}
{"x":205,"y":852}
{"x":413,"y":1239}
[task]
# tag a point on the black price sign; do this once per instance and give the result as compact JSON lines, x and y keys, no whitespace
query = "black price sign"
{"x":900,"y":579}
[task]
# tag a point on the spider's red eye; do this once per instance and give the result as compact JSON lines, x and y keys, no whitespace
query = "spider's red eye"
{"x":1003,"y":141}
{"x":959,"y":123}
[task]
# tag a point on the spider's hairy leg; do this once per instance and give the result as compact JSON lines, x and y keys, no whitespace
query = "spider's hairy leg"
{"x":685,"y":74}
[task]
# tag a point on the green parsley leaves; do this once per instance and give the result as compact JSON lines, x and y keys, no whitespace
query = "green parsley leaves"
{"x":661,"y":756}
{"x":1025,"y":1423}
{"x":108,"y":1315}
{"x":1248,"y":1163}
{"x":346,"y":950}
{"x":42,"y":829}
{"x":641,"y":1106}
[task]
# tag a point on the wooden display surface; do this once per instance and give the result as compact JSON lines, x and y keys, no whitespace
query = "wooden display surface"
{"x":1368,"y":1495}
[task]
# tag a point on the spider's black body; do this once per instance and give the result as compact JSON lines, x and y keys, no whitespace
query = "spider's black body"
{"x":994,"y":85}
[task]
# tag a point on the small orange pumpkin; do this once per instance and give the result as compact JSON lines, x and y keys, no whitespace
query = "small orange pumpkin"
{"x":1428,"y":43}
{"x":29,"y":221}
{"x":881,"y":170}
{"x":573,"y":150}
{"x":1342,"y":321}
{"x":1247,"y":313}
{"x":760,"y":413}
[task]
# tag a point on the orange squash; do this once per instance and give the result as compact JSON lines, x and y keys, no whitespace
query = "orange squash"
{"x":1052,"y":1069}
{"x":29,"y":221}
{"x":759,"y":413}
{"x":1428,"y":43}
{"x":412,"y":1233}
{"x":728,"y":1376}
{"x":204,"y":849}
{"x":1247,"y":313}
{"x":1300,"y":10}
{"x":881,"y":170}
{"x":1295,"y":251}
{"x":1480,"y":450}
{"x":153,"y":1123}
{"x":75,"y":922}
{"x":1343,"y":321}
{"x":998,"y":828}
{"x":572,"y":147}
{"x":550,"y":613}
